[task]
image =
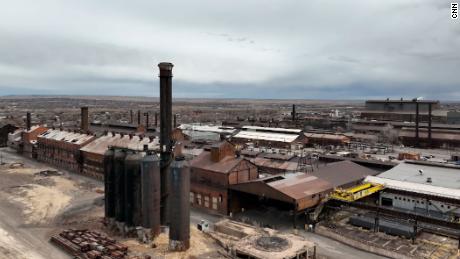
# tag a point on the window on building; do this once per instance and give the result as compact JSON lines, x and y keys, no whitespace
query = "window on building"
{"x":198,"y":199}
{"x":192,"y":197}
{"x":214,"y":203}
{"x":206,"y":201}
{"x":387,"y":201}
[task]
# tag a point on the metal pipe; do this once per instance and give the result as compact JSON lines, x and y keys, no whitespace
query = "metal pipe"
{"x":84,"y":120}
{"x":165,"y":135}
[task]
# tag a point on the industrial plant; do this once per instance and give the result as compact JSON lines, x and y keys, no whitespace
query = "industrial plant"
{"x":380,"y":177}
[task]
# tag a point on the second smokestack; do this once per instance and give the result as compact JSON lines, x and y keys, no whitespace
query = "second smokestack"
{"x":84,"y":120}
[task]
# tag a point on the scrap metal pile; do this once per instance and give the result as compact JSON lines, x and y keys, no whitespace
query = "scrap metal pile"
{"x":87,"y":244}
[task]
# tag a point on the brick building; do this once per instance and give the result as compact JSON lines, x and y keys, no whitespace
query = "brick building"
{"x":213,"y":171}
{"x":29,"y":140}
{"x":93,"y":153}
{"x":62,"y":148}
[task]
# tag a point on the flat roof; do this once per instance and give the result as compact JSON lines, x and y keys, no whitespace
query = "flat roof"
{"x":268,"y":136}
{"x":440,"y":176}
{"x":208,"y":128}
{"x":258,"y":128}
{"x":415,"y":187}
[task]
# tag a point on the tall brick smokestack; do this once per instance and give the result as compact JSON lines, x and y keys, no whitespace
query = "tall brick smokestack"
{"x":131,"y":118}
{"x":165,"y":135}
{"x":84,"y":119}
{"x":28,"y":121}
{"x":293,"y":113}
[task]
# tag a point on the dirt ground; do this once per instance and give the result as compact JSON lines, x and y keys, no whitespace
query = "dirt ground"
{"x":34,"y":206}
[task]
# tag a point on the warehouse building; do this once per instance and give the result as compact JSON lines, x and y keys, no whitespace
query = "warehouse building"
{"x":297,"y":192}
{"x":28,"y":145}
{"x":61,"y":148}
{"x":403,"y":110}
{"x":324,"y":139}
{"x":207,"y":132}
{"x":446,"y":139}
{"x":271,"y":137}
{"x":93,"y":153}
{"x":425,"y":188}
{"x":213,"y":171}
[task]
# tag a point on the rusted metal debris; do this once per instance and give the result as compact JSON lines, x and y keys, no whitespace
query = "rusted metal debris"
{"x":87,"y":244}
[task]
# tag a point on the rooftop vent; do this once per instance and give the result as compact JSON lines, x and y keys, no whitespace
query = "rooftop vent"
{"x":428,"y":180}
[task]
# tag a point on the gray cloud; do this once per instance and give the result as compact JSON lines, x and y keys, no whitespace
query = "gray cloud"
{"x":253,"y":49}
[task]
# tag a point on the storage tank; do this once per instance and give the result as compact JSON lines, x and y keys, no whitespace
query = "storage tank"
{"x":151,"y":193}
{"x":179,"y":230}
{"x":109,"y":184}
{"x":133,"y":208}
{"x":119,"y":184}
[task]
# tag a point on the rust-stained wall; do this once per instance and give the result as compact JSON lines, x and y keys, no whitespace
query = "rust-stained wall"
{"x":60,"y":153}
{"x":214,"y":185}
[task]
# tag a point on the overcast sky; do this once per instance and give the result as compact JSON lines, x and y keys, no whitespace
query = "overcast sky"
{"x":249,"y":49}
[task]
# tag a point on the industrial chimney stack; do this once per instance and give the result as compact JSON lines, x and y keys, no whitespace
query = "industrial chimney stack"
{"x":84,"y":120}
{"x":293,"y":113}
{"x":165,"y":135}
{"x":28,"y":121}
{"x":138,"y":117}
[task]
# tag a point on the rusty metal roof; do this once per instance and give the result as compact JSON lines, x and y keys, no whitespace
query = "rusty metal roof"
{"x":300,"y":185}
{"x":342,"y":173}
{"x":203,"y":161}
{"x":271,"y":163}
{"x":288,"y":188}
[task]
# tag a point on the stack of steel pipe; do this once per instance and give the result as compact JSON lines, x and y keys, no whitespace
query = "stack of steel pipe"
{"x":89,"y":244}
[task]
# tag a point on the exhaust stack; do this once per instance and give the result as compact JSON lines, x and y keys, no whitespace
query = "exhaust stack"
{"x":84,"y":120}
{"x":165,"y":135}
{"x":28,"y":121}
